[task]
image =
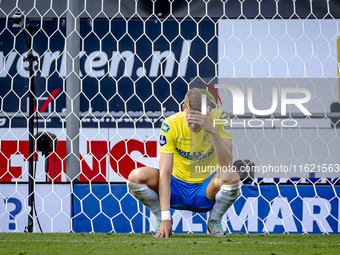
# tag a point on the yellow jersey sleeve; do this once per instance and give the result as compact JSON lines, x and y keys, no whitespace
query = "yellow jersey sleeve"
{"x":167,"y":138}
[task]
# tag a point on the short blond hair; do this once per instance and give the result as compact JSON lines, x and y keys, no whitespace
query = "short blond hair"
{"x":193,"y":100}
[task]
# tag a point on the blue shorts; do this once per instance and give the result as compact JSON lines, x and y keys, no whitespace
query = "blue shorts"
{"x":190,"y":196}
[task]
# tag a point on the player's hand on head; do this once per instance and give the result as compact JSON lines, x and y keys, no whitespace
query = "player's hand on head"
{"x":202,"y":120}
{"x":165,"y":230}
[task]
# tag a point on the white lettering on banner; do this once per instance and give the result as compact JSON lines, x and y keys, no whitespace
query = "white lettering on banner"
{"x":137,"y":156}
{"x":280,"y":204}
{"x":248,"y":213}
{"x":187,"y":223}
{"x":63,"y":70}
{"x":156,"y":61}
{"x":309,"y":215}
{"x":128,"y":59}
{"x":6,"y":64}
{"x":49,"y":57}
{"x":96,"y":61}
{"x":185,"y":54}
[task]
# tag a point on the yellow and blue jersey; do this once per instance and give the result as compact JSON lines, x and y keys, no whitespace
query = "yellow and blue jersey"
{"x":193,"y":152}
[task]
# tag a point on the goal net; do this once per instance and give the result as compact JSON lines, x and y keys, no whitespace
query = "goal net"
{"x":85,"y":86}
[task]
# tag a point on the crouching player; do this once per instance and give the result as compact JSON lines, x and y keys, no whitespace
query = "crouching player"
{"x":190,"y":145}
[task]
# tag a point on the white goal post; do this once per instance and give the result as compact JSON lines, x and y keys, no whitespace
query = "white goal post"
{"x":73,"y":129}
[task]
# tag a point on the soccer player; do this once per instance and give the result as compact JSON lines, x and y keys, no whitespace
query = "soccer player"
{"x":195,"y":171}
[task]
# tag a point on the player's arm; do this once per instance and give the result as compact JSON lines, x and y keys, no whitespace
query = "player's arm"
{"x":222,"y":146}
{"x":164,"y":192}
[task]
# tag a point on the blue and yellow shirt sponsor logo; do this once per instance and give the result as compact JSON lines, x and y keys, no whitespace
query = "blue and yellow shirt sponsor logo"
{"x":165,"y":127}
{"x":196,"y":155}
{"x":224,"y":115}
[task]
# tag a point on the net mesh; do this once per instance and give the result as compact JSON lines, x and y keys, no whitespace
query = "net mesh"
{"x":135,"y":62}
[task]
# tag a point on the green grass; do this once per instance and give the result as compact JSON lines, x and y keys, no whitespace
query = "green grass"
{"x":59,"y":243}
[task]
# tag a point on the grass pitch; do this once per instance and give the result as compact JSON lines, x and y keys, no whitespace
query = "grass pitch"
{"x":61,"y":243}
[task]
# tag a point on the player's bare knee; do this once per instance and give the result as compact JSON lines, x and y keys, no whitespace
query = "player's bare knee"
{"x":145,"y":175}
{"x":136,"y":176}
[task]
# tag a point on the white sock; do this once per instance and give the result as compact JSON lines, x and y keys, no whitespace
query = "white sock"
{"x":147,"y":196}
{"x":224,"y":198}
